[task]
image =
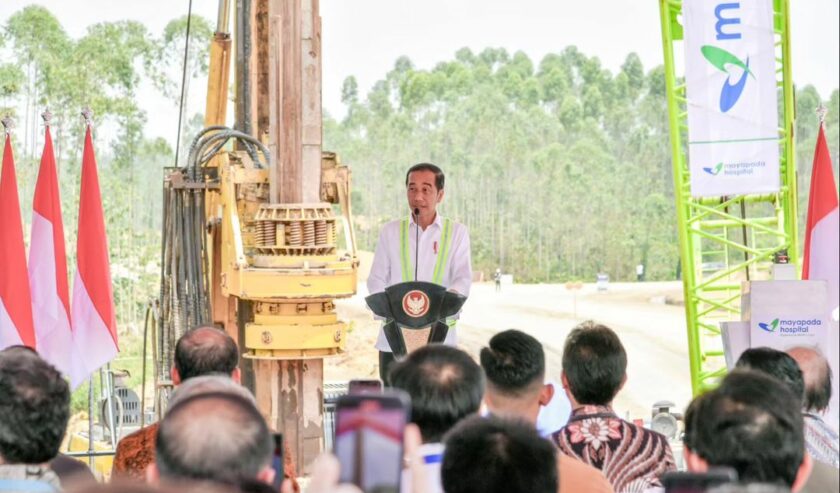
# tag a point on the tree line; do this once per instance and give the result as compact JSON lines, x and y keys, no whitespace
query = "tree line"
{"x":561,"y":169}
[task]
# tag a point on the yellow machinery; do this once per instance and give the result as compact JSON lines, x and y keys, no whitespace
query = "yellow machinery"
{"x":284,"y":258}
{"x":251,"y":239}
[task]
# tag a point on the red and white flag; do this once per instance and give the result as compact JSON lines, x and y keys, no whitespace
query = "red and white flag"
{"x":94,"y":322}
{"x":15,"y":303}
{"x":48,"y":267}
{"x":822,"y":246}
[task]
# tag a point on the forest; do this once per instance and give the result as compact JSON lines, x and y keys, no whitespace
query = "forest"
{"x":560,"y":167}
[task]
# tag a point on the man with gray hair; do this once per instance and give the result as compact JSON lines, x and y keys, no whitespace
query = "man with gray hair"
{"x":212,"y":432}
{"x":821,"y":441}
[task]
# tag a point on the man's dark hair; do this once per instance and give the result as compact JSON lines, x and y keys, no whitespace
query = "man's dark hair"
{"x":513,"y":361}
{"x":213,"y":437}
{"x":439,"y":178}
{"x":751,"y":423}
{"x":204,"y":351}
{"x":34,"y":408}
{"x":777,"y":364}
{"x":445,"y":386}
{"x":594,"y":362}
{"x":492,"y":455}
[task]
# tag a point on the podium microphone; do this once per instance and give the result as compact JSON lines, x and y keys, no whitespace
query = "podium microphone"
{"x":416,"y":241}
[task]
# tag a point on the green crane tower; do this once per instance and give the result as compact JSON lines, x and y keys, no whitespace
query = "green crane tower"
{"x":730,"y":239}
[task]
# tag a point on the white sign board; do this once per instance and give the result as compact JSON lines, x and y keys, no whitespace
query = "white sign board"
{"x":730,"y":60}
{"x":784,"y":314}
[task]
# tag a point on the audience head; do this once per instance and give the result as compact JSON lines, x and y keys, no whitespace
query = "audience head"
{"x":492,"y":455}
{"x":594,"y":364}
{"x":34,"y":407}
{"x":445,"y":386}
{"x":207,"y":384}
{"x":205,"y":350}
{"x":817,"y":374}
{"x":514,"y":364}
{"x":777,"y":364}
{"x":218,"y":437}
{"x":751,"y":423}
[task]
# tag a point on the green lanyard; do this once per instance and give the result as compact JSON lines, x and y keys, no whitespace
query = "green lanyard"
{"x":442,"y":257}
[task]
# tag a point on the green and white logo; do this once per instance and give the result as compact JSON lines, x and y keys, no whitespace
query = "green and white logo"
{"x":725,"y":61}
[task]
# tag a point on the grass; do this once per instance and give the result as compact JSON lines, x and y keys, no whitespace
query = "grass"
{"x":130,"y":359}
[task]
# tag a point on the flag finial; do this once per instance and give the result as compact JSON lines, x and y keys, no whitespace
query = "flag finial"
{"x":821,"y":111}
{"x":87,"y":113}
{"x":47,"y":116}
{"x":8,"y":123}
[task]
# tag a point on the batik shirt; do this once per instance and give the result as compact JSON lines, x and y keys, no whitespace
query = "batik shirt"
{"x":821,"y":441}
{"x":631,"y":457}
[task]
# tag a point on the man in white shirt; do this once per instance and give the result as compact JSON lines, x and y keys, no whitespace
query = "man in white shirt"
{"x":437,"y":252}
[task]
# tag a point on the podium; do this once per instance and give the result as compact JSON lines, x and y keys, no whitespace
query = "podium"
{"x":416,"y":311}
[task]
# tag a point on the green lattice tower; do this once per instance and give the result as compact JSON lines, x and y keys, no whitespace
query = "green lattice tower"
{"x":726,"y":240}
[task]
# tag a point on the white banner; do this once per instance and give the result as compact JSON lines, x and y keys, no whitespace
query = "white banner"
{"x":730,"y":60}
{"x":784,"y":314}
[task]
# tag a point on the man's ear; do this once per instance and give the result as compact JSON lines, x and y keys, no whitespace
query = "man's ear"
{"x":803,"y":473}
{"x":236,"y":375}
{"x":693,"y":462}
{"x":440,"y":196}
{"x":266,"y":475}
{"x":623,"y":381}
{"x":152,"y":474}
{"x":546,"y":394}
{"x":176,"y":377}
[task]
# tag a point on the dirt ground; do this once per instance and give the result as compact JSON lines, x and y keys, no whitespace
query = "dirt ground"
{"x":652,"y":331}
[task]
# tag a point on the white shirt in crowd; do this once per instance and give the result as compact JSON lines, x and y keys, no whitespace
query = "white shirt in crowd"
{"x":386,"y":269}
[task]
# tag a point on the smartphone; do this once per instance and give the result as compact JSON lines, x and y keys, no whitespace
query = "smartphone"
{"x":697,"y":482}
{"x":369,"y":439}
{"x":370,"y":386}
{"x":277,"y":462}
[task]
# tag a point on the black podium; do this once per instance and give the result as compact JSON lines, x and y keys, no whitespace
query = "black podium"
{"x":414,"y":305}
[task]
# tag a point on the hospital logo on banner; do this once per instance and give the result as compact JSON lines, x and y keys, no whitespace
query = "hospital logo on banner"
{"x":733,"y":143}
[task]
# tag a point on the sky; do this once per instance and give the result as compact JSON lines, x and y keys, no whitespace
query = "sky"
{"x":363,"y":38}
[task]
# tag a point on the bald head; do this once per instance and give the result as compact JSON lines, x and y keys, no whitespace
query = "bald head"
{"x":217,"y":437}
{"x":205,"y":351}
{"x":817,"y":374}
{"x":209,"y":384}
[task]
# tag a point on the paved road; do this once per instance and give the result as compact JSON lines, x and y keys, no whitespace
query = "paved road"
{"x":652,"y":332}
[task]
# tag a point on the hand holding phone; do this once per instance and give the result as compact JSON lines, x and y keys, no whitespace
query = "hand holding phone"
{"x":369,"y":439}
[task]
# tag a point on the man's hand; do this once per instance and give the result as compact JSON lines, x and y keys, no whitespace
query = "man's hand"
{"x":325,"y":472}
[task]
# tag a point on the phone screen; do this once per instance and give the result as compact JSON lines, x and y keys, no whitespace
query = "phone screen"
{"x":277,"y":462}
{"x":364,"y":387}
{"x":369,"y":440}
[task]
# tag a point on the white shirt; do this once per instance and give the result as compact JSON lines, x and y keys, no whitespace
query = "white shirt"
{"x":555,"y":414}
{"x":386,"y":269}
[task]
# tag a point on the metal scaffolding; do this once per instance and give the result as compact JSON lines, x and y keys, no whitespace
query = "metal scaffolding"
{"x":726,"y":240}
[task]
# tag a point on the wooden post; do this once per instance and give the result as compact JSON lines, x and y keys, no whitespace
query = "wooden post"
{"x":295,"y":101}
{"x":288,"y":108}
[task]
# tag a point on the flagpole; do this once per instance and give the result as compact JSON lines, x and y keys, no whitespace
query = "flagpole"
{"x":8,"y":124}
{"x":90,"y":424}
{"x":821,"y":112}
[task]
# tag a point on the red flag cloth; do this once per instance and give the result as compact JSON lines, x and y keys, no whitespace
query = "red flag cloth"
{"x":822,"y":245}
{"x":15,"y":304}
{"x":94,"y":323}
{"x":48,"y":266}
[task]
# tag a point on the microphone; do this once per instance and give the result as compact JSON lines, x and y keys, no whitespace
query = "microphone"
{"x":416,"y":241}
